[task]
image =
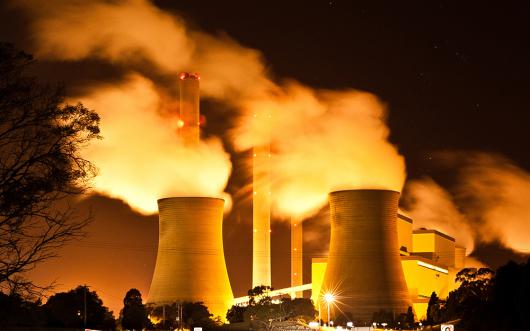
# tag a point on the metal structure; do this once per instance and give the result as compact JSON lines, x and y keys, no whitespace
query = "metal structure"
{"x":189,"y":113}
{"x":364,"y":272}
{"x":190,"y":264}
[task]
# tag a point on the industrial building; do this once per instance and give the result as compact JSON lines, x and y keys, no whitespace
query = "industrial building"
{"x":376,"y":260}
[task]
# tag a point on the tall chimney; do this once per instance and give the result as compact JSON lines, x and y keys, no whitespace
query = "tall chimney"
{"x":364,"y":269}
{"x":189,"y":108}
{"x":261,"y":241}
{"x":190,"y":264}
{"x":296,"y":255}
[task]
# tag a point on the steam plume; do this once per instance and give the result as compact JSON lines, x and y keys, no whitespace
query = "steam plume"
{"x":141,"y":158}
{"x":491,"y":192}
{"x":432,"y":207}
{"x":321,"y":140}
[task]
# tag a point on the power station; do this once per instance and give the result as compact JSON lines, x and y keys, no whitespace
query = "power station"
{"x":376,"y":261}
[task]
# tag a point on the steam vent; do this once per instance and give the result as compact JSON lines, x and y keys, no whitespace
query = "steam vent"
{"x":364,"y":269}
{"x":190,"y":265}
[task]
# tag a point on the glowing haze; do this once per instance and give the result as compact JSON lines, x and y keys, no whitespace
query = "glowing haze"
{"x":320,"y":140}
{"x":489,"y":201}
{"x":141,"y":158}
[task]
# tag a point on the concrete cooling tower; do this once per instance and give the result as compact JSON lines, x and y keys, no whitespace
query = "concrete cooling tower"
{"x":364,"y":271}
{"x":190,"y":265}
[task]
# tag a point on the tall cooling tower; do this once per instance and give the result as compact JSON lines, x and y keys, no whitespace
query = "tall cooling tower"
{"x":364,"y":270}
{"x":189,"y":108}
{"x":190,"y":265}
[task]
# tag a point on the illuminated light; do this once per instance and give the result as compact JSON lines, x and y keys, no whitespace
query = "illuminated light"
{"x":255,"y":192}
{"x":180,"y":123}
{"x":255,"y":154}
{"x":189,"y":75}
{"x":329,"y":297}
{"x":295,"y":273}
{"x":314,"y":325}
{"x":255,"y":115}
{"x":269,"y":154}
{"x":255,"y":230}
{"x":269,"y":193}
{"x":294,"y":224}
{"x":295,"y":250}
{"x":349,"y":324}
{"x":270,"y":230}
{"x":432,"y":267}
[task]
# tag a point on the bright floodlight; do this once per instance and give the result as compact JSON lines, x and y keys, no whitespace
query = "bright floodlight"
{"x":328,"y":297}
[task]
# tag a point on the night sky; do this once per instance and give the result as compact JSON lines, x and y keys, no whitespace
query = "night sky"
{"x":455,"y":77}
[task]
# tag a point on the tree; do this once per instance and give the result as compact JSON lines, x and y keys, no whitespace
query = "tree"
{"x":434,"y":309}
{"x":236,"y":314}
{"x":134,"y":313}
{"x":263,"y":313}
{"x":18,"y":311}
{"x":67,"y":309}
{"x":194,"y":314}
{"x":40,"y":168}
{"x":470,"y":297}
{"x":509,"y":302}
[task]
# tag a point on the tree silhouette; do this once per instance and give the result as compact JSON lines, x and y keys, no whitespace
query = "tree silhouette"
{"x":134,"y":313}
{"x":67,"y":309}
{"x":40,"y":169}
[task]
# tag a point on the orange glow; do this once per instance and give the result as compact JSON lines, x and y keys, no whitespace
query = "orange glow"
{"x":180,"y":123}
{"x":490,"y":201}
{"x":141,"y":158}
{"x":189,"y":75}
{"x":321,"y":141}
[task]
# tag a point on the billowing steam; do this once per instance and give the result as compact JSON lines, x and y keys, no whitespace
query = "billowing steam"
{"x":141,"y":158}
{"x":320,"y":140}
{"x":432,"y":207}
{"x":490,"y":200}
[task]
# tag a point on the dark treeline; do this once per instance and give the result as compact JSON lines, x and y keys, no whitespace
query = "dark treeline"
{"x":81,"y":308}
{"x":486,"y":300}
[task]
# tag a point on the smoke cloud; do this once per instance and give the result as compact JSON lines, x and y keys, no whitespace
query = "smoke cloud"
{"x":489,"y":200}
{"x":320,"y":140}
{"x":141,"y":158}
{"x":432,"y":207}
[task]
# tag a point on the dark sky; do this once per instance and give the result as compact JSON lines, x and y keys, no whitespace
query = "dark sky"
{"x":455,"y":76}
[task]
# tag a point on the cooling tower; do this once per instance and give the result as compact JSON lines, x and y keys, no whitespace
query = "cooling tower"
{"x":261,"y":239}
{"x":364,"y":270}
{"x":190,"y":265}
{"x":189,"y":109}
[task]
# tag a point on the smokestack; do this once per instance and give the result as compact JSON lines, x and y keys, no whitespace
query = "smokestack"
{"x":190,"y":265}
{"x":261,"y":241}
{"x":189,"y":108}
{"x":296,"y":256}
{"x":364,"y":270}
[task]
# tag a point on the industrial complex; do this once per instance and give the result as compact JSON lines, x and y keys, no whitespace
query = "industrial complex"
{"x":376,"y":261}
